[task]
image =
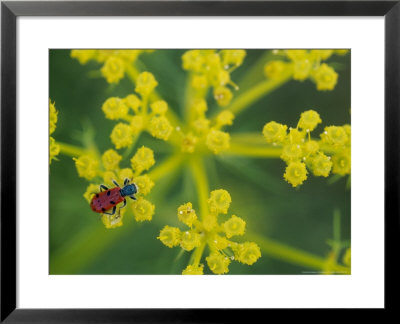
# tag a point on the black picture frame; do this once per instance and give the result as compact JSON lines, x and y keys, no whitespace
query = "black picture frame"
{"x":10,"y":10}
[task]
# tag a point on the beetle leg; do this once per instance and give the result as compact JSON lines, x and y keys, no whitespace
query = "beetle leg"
{"x":113,"y":211}
{"x":103,"y":187}
{"x":115,"y":182}
{"x":126,"y":181}
{"x":123,"y":204}
{"x":132,"y":197}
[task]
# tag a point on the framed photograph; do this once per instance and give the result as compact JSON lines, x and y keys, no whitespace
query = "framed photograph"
{"x":164,"y":158}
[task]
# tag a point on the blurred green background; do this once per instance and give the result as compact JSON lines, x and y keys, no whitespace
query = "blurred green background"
{"x":301,"y":218}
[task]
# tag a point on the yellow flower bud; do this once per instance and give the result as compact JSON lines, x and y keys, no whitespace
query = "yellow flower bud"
{"x":114,"y":108}
{"x":218,"y":263}
{"x":113,"y":69}
{"x":342,"y":52}
{"x":53,"y":117}
{"x":296,"y":173}
{"x":199,"y":105}
{"x":83,"y":56}
{"x":296,"y":55}
{"x":86,"y":166}
{"x":113,"y":221}
{"x":189,"y":143}
{"x":145,"y":83}
{"x":108,"y":177}
{"x":144,"y":184}
{"x":234,"y":226}
{"x":124,"y":174}
{"x":291,"y":152}
{"x":143,"y":210}
{"x":54,"y":149}
{"x":199,"y":82}
{"x":220,"y":78}
{"x":274,"y":69}
{"x":321,"y":165}
{"x":132,"y":102}
{"x":111,"y":159}
{"x":334,"y":135}
{"x":219,"y":201}
{"x":295,"y":136}
{"x":201,"y":125}
{"x":223,"y":96}
{"x":248,"y":253}
{"x":320,"y":54}
{"x":160,"y":127}
{"x":143,"y":159}
{"x":192,"y":60}
{"x":233,"y":57}
{"x":187,"y":214}
{"x":170,"y":236}
{"x":225,"y":118}
{"x":217,"y":141}
{"x":309,"y":120}
{"x":159,"y":107}
{"x":310,"y":147}
{"x":301,"y":69}
{"x":193,"y":270}
{"x":274,"y":132}
{"x":342,"y":162}
{"x":121,"y":135}
{"x":91,"y":190}
{"x":325,"y":77}
{"x":190,"y":240}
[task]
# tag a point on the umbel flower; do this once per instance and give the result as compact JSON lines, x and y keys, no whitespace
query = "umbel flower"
{"x":106,"y":169}
{"x":213,"y":233}
{"x":54,"y":148}
{"x":305,"y":64}
{"x":330,"y":154}
{"x":134,"y":115}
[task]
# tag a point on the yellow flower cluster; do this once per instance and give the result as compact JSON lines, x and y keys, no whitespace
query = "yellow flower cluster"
{"x":54,"y":148}
{"x":114,"y":61}
{"x":134,"y":111}
{"x":202,"y":134}
{"x":330,"y":154}
{"x":212,"y":69}
{"x":107,"y":169}
{"x":210,"y":232}
{"x":306,"y":64}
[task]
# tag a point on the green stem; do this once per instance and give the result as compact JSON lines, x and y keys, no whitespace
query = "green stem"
{"x":293,"y":255}
{"x":200,"y":177}
{"x":254,"y":151}
{"x":71,"y":150}
{"x":129,"y":150}
{"x":167,"y":166}
{"x":198,"y":253}
{"x":247,"y":98}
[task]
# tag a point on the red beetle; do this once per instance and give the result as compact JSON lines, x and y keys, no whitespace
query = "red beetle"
{"x":108,"y":199}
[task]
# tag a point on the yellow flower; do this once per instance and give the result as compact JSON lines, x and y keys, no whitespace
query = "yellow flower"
{"x":218,"y":263}
{"x":310,"y":147}
{"x":199,"y":105}
{"x":199,"y":82}
{"x":274,"y":132}
{"x":144,"y":184}
{"x":334,"y":135}
{"x":225,"y":117}
{"x":53,"y":117}
{"x":301,"y":69}
{"x":188,"y":143}
{"x":114,"y":108}
{"x":159,"y":107}
{"x":187,"y":214}
{"x":108,"y":177}
{"x":295,"y":136}
{"x":201,"y":125}
{"x":233,"y":57}
{"x":234,"y":226}
{"x":170,"y":236}
{"x":83,"y":56}
{"x":342,"y":162}
{"x":309,"y":120}
{"x":193,"y":270}
{"x":342,"y":51}
{"x":143,"y":210}
{"x":192,"y":60}
{"x":248,"y":253}
{"x":321,"y":54}
{"x":190,"y":240}
{"x":143,"y":159}
{"x":91,"y":190}
{"x":113,"y":221}
{"x":160,"y":127}
{"x":325,"y":77}
{"x":111,"y":159}
{"x":295,"y":55}
{"x":219,"y":201}
{"x":133,"y":102}
{"x":321,"y":165}
{"x":145,"y":83}
{"x":296,"y":173}
{"x":223,"y":96}
{"x":291,"y":152}
{"x":218,"y":141}
{"x":113,"y":69}
{"x":86,"y":166}
{"x":125,"y":173}
{"x":274,"y":69}
{"x":54,"y":149}
{"x":121,"y":135}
